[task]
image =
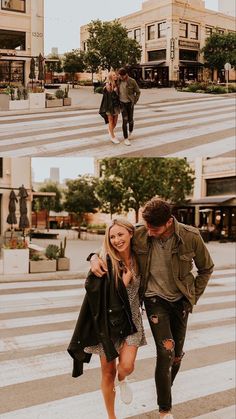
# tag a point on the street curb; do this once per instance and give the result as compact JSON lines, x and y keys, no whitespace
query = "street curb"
{"x":63,"y":275}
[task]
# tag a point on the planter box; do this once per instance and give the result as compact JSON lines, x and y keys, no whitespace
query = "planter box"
{"x":15,"y":261}
{"x":67,"y":101}
{"x":4,"y":102}
{"x":63,"y":264}
{"x":18,"y":104}
{"x":37,"y":100}
{"x":36,"y":266}
{"x":54,"y":103}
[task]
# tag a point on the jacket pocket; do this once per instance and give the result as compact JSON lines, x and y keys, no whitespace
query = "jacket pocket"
{"x":186,"y":264}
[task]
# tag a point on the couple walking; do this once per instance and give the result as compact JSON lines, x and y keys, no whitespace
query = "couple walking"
{"x":120,"y":94}
{"x":150,"y":264}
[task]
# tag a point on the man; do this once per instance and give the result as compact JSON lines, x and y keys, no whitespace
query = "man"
{"x":129,"y":94}
{"x":165,"y":251}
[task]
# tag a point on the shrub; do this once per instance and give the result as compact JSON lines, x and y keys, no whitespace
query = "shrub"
{"x":216,"y":89}
{"x":99,"y":89}
{"x":59,"y":94}
{"x":52,"y":251}
{"x":35,"y":257}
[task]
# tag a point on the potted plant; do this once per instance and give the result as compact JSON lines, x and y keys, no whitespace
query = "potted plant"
{"x":15,"y":257}
{"x":55,"y":101}
{"x":66,"y":98}
{"x":63,"y":263}
{"x":47,"y":263}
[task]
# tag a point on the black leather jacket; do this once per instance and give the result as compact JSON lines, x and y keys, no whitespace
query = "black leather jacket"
{"x":92,"y":326}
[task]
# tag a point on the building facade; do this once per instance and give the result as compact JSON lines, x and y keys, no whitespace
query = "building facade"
{"x":172,"y":34}
{"x":21,"y":38}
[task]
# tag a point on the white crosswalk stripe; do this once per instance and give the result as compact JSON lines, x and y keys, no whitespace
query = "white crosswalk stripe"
{"x":181,"y":128}
{"x":34,"y":357}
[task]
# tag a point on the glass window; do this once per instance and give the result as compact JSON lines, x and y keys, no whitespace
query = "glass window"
{"x":157,"y":55}
{"x":193,"y":31}
{"x":183,"y":30}
{"x":162,"y":30}
{"x":209,"y":30}
{"x":222,"y":186}
{"x":130,"y":34}
{"x":137,"y":35}
{"x":14,"y":5}
{"x":188,"y":55}
{"x":151,"y":32}
{"x":11,"y":71}
{"x":12,"y":40}
{"x":220,"y":31}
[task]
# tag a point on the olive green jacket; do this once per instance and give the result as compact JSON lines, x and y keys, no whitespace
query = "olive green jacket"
{"x":190,"y":247}
{"x":133,"y":91}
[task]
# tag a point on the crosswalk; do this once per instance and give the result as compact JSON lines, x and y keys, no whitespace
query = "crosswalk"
{"x":36,"y":324}
{"x":183,"y":128}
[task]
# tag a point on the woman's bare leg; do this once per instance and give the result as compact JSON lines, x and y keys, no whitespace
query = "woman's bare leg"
{"x":127,"y":356}
{"x":108,"y":385}
{"x":111,"y":126}
{"x":115,"y":119}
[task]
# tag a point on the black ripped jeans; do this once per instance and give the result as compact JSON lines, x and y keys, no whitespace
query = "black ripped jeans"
{"x":127,"y":110}
{"x":168,"y":322}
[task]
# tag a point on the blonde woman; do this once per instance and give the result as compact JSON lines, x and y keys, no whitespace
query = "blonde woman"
{"x":110,"y":105}
{"x":124,"y":282}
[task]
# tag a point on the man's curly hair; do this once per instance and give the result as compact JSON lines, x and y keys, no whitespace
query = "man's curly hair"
{"x":156,"y":212}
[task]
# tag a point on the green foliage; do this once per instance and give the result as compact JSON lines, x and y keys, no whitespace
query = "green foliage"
{"x":80,"y":196}
{"x":62,"y":249}
{"x":60,"y":94}
{"x":36,"y":256}
{"x":50,"y":202}
{"x":110,"y":192}
{"x":142,"y":178}
{"x":74,"y":63}
{"x":54,"y":66}
{"x":220,"y":49}
{"x":92,"y":61}
{"x":114,"y":49}
{"x":216,"y":89}
{"x":99,"y":89}
{"x":52,"y":251}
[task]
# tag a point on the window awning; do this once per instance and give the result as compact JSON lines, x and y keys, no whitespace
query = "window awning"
{"x":152,"y":64}
{"x":214,"y":200}
{"x":190,"y":64}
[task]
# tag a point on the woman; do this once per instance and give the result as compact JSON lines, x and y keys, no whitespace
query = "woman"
{"x":117,"y":252}
{"x":110,"y":106}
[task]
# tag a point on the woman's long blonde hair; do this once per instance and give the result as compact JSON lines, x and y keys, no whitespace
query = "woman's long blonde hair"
{"x":108,"y":249}
{"x":110,"y":80}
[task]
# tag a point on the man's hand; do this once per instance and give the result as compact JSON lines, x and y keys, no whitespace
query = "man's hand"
{"x":98,"y":266}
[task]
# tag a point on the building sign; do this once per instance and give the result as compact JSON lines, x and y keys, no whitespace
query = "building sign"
{"x":189,"y":44}
{"x":172,"y":48}
{"x":37,"y":34}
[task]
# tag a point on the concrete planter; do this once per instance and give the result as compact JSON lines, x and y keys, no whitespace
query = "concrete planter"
{"x":15,"y":261}
{"x":18,"y":104}
{"x":63,"y":264}
{"x":37,"y":266}
{"x":37,"y":100}
{"x":54,"y":103}
{"x":67,"y":101}
{"x":4,"y":102}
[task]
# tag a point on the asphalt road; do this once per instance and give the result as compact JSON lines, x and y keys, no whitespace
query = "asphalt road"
{"x":36,"y":322}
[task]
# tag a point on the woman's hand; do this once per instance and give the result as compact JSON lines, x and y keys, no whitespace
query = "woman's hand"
{"x":127,"y":276}
{"x":98,"y":266}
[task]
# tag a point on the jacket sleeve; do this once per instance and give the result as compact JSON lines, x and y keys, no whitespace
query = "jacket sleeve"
{"x":204,"y":265}
{"x":137,"y":92}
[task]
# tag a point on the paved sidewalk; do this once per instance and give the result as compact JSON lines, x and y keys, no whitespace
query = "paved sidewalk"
{"x":223,"y":255}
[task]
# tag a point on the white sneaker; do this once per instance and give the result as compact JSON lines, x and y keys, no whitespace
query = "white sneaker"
{"x":126,"y":393}
{"x":168,"y":416}
{"x":127,"y":141}
{"x":115,"y":140}
{"x":131,"y":136}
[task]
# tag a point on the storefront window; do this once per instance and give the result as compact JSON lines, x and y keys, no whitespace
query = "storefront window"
{"x":157,"y":55}
{"x":130,"y":34}
{"x":183,"y":30}
{"x":137,"y":35}
{"x":188,"y":55}
{"x":12,"y":71}
{"x":220,"y":31}
{"x":209,"y":31}
{"x":14,"y":5}
{"x":223,"y":186}
{"x":162,"y":30}
{"x":151,"y":32}
{"x":193,"y":31}
{"x":12,"y":40}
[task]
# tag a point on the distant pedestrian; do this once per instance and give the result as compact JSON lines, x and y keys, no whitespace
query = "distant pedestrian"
{"x":129,"y":94}
{"x":110,"y":106}
{"x":110,"y":322}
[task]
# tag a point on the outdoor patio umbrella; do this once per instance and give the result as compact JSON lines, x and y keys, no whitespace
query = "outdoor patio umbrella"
{"x":32,"y":71}
{"x":11,"y":218}
{"x":24,"y":221}
{"x":41,"y":68}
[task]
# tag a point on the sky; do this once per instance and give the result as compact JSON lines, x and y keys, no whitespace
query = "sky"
{"x":70,"y":167}
{"x":63,"y":20}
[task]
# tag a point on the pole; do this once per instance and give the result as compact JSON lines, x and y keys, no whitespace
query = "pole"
{"x":227,"y":81}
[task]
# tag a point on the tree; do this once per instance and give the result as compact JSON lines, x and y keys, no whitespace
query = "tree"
{"x":143,"y":178}
{"x":92,"y":61}
{"x":80,"y":197}
{"x":220,"y":49}
{"x":110,"y":193}
{"x":114,"y":48}
{"x":74,"y":63}
{"x":49,"y":203}
{"x":54,"y":65}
